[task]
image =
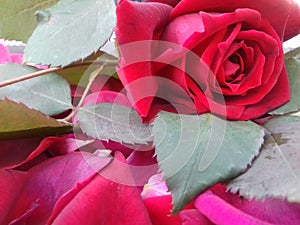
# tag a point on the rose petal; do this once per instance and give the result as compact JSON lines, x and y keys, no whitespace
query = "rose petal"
{"x":106,"y":83}
{"x":223,"y":207}
{"x":142,"y":158}
{"x":4,"y":55}
{"x":13,"y":152}
{"x":191,"y":29}
{"x":142,"y":165}
{"x":169,"y":2}
{"x":193,"y":217}
{"x":286,"y":25}
{"x":219,"y":212}
{"x":48,"y":181}
{"x":156,"y":186}
{"x":18,"y":152}
{"x":107,"y":96}
{"x":147,"y":19}
{"x":269,"y":73}
{"x":105,"y":202}
{"x":11,"y":184}
{"x":67,"y":145}
{"x":159,"y":209}
{"x":16,"y":58}
{"x":279,"y":95}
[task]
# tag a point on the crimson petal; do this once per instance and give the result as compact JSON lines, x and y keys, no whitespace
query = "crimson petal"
{"x":287,"y":24}
{"x":144,"y":23}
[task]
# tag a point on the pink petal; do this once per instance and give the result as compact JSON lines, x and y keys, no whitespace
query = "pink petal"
{"x":4,"y":55}
{"x":16,"y":58}
{"x":221,"y":213}
{"x":159,"y":209}
{"x":156,"y":186}
{"x":67,"y":145}
{"x":287,"y":25}
{"x":11,"y":184}
{"x":142,"y":165}
{"x":107,"y":96}
{"x":103,"y":201}
{"x":193,"y":217}
{"x":223,"y":207}
{"x":48,"y":181}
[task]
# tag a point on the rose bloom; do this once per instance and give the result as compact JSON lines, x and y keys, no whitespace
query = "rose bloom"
{"x":237,"y":70}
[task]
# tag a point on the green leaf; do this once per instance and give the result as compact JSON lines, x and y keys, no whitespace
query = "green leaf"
{"x":196,"y":152}
{"x":295,"y":53}
{"x":18,"y":121}
{"x":49,"y":94}
{"x":17,"y":17}
{"x":292,"y":63}
{"x":276,"y":172}
{"x":70,"y":31}
{"x":114,"y":122}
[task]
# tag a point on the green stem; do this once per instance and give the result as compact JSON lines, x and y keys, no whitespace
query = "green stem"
{"x":54,"y":69}
{"x":92,"y":78}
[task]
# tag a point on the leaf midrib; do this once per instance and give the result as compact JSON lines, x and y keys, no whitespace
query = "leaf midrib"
{"x":42,"y":95}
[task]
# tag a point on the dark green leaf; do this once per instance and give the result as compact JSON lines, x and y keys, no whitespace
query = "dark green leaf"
{"x":276,"y":172}
{"x":114,"y":122}
{"x":49,"y":94}
{"x":70,"y":31}
{"x":18,"y":121}
{"x":17,"y":17}
{"x":292,"y":62}
{"x":196,"y":152}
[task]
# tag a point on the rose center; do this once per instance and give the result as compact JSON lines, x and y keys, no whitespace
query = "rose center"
{"x":234,"y":67}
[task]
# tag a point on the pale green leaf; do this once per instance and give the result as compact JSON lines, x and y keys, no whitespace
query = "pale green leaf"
{"x":292,"y":62}
{"x":49,"y":94}
{"x":276,"y":172}
{"x":70,"y":31}
{"x":17,"y":20}
{"x":18,"y":121}
{"x":113,"y":122}
{"x":196,"y":152}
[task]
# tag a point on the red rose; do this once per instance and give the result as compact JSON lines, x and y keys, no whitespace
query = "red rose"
{"x":238,"y":71}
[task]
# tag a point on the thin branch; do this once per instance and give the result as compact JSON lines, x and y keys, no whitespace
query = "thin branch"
{"x":92,"y":78}
{"x":29,"y":76}
{"x":54,"y":69}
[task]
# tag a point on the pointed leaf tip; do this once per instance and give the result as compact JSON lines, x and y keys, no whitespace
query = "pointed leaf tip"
{"x":204,"y":150}
{"x":17,"y":121}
